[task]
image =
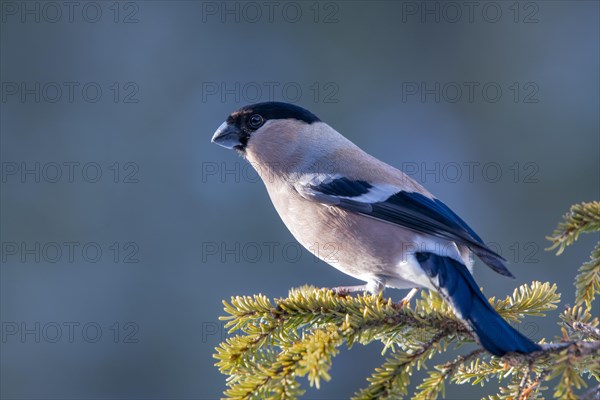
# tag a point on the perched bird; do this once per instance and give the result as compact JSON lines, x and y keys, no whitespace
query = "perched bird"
{"x":365,"y":217}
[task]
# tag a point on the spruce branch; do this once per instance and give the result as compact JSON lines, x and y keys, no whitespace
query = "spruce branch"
{"x":390,"y":381}
{"x":274,"y":342}
{"x":581,"y":218}
{"x":299,"y":335}
{"x":433,"y":385}
{"x":582,"y":324}
{"x":587,"y":281}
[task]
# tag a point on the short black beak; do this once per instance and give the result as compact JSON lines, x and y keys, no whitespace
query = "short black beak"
{"x":228,"y":136}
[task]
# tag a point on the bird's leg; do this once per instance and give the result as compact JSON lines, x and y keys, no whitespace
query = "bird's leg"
{"x":372,"y":287}
{"x":406,"y":300}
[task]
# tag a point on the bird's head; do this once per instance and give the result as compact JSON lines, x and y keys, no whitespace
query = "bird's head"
{"x":266,"y":132}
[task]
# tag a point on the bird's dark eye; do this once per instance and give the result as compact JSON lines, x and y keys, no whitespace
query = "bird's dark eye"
{"x":255,"y":121}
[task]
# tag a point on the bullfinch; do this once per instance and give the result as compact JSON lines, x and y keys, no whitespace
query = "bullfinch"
{"x":365,"y":217}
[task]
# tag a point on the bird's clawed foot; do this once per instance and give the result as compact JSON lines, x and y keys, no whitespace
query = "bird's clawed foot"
{"x":406,"y":300}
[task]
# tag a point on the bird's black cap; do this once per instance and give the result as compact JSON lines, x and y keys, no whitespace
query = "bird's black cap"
{"x":241,"y":124}
{"x":275,"y":110}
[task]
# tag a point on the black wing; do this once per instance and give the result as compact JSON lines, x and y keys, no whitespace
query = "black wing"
{"x":408,"y":209}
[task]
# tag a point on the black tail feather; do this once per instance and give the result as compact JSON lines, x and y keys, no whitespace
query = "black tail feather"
{"x":493,"y":260}
{"x":458,"y":287}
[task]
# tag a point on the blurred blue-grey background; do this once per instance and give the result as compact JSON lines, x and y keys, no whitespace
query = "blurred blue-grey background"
{"x":123,"y":228}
